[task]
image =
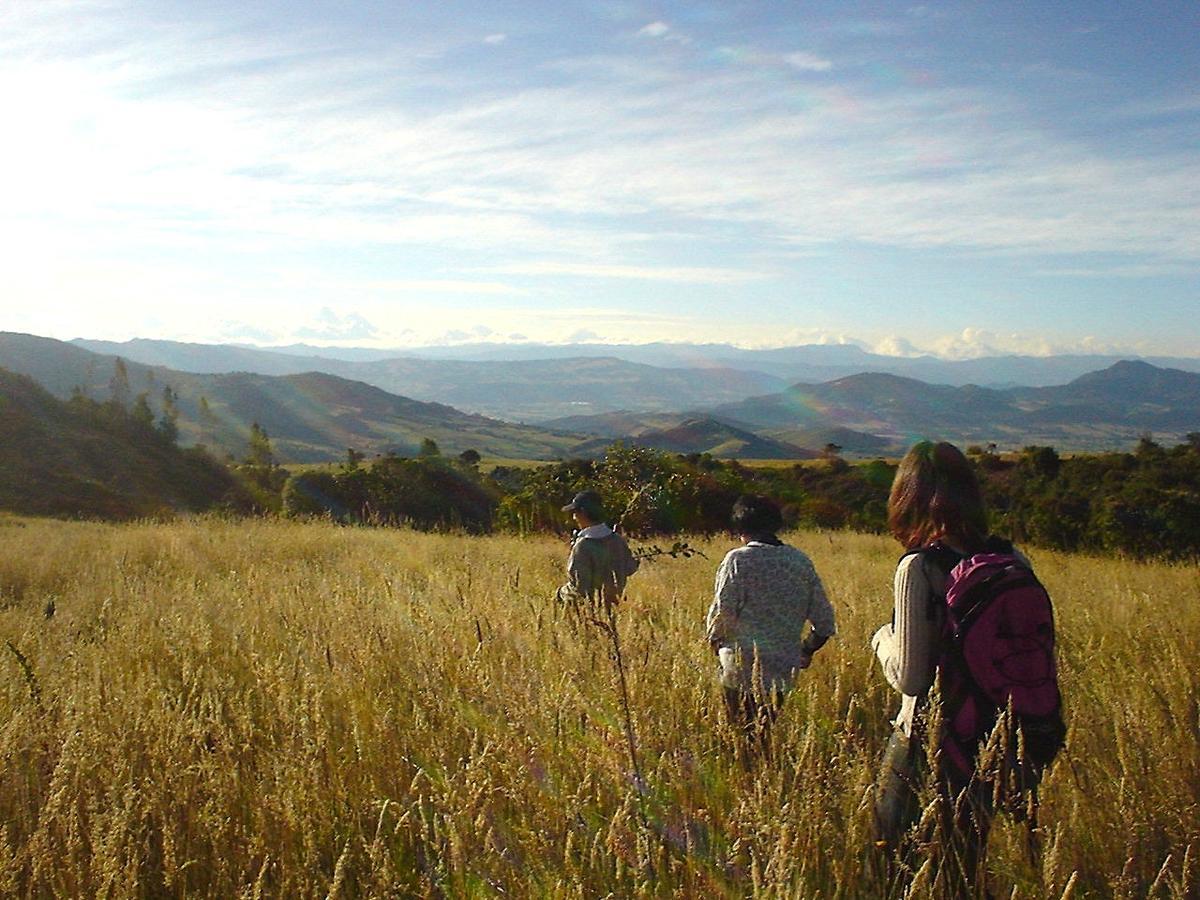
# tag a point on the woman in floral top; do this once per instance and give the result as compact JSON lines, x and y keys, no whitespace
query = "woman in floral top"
{"x":765,"y":592}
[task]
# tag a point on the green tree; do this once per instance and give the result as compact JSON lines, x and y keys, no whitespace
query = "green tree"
{"x":118,"y":385}
{"x":168,"y":422}
{"x":429,"y":448}
{"x":261,"y":453}
{"x":142,"y":413}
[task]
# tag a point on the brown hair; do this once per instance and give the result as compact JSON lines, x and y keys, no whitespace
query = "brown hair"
{"x":935,"y":496}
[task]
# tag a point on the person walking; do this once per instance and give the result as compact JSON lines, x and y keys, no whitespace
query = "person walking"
{"x":765,"y":593}
{"x":936,"y":512}
{"x":600,"y":561}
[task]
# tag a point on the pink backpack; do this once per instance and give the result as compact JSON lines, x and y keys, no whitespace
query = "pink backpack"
{"x":997,"y":649}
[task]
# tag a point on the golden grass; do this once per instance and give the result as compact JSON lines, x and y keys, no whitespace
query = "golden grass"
{"x":277,"y":709}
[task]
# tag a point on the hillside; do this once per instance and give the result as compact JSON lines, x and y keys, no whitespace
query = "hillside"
{"x":310,"y":417}
{"x":1101,"y":410}
{"x":82,"y":460}
{"x":314,"y":416}
{"x":707,"y":435}
{"x":1130,"y":393}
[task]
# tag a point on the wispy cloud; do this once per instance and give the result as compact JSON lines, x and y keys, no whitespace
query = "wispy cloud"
{"x":654,"y":30}
{"x":923,"y":168}
{"x":807,"y":62}
{"x":141,"y":155}
{"x":684,"y":275}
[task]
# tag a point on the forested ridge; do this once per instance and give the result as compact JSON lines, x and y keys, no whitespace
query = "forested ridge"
{"x":1145,"y":503}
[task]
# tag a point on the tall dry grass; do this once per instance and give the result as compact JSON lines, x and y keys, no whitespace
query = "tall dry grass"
{"x":276,"y":709}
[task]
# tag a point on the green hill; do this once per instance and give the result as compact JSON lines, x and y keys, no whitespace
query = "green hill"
{"x":310,"y":417}
{"x":81,"y":458}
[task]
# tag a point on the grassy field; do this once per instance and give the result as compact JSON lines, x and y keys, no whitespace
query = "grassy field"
{"x":279,"y":709}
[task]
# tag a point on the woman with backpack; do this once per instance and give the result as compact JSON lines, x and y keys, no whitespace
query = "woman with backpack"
{"x":936,"y":511}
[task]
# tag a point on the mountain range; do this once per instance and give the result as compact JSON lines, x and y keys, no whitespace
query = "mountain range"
{"x":314,"y":410}
{"x":811,"y":363}
{"x":523,"y":390}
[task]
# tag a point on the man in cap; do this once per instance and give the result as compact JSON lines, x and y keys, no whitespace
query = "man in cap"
{"x":600,"y":560}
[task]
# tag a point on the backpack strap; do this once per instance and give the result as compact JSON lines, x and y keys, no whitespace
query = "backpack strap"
{"x":944,"y":559}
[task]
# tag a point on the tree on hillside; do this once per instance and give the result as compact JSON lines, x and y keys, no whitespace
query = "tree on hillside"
{"x":142,"y":413}
{"x":470,"y":457}
{"x":118,"y":385}
{"x":168,"y":423}
{"x":429,"y":448}
{"x":261,"y":453}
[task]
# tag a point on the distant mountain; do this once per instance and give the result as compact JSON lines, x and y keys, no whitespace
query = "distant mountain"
{"x":516,"y":390}
{"x":309,"y":417}
{"x":77,"y":460}
{"x":706,"y":435}
{"x":1132,"y":394}
{"x":811,"y":363}
{"x":538,"y":382}
{"x":1100,"y":410}
{"x":620,"y":424}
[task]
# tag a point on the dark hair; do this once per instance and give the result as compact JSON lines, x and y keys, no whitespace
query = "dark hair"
{"x":754,"y":514}
{"x":936,"y":495}
{"x":587,"y":502}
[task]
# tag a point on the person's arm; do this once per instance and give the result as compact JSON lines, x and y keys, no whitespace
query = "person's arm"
{"x":723,"y":613}
{"x":907,"y":649}
{"x":581,"y":568}
{"x":820,"y":617}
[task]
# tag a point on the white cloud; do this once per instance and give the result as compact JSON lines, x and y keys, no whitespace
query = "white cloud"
{"x":808,"y":62}
{"x":974,"y":343}
{"x":663,"y":31}
{"x":495,"y":39}
{"x":332,"y":326}
{"x":895,"y":345}
{"x":655,"y":30}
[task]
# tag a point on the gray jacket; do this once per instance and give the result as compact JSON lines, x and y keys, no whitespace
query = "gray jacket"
{"x":599,"y":564}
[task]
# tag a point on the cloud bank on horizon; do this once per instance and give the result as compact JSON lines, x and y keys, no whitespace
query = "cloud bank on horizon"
{"x":960,"y":179}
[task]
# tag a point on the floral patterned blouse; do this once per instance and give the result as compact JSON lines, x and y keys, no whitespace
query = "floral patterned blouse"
{"x":764,"y":595}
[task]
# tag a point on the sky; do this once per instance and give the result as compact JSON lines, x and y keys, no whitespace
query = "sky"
{"x":959,"y":179}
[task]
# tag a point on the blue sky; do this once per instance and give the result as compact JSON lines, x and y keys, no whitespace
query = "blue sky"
{"x":950,"y":178}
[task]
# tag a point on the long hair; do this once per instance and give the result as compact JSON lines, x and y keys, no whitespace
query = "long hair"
{"x":935,"y":496}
